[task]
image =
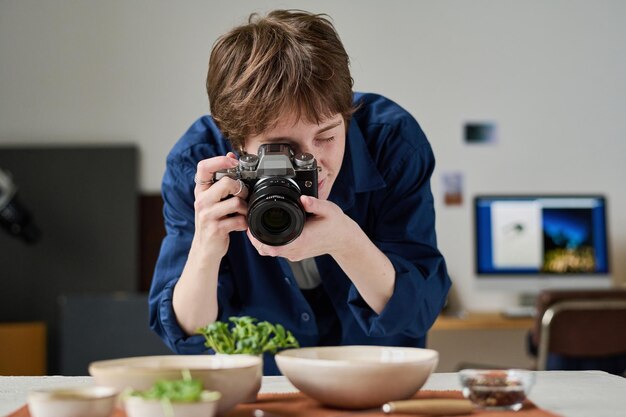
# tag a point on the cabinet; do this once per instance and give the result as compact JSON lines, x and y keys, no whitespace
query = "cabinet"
{"x":483,"y":340}
{"x":23,"y":348}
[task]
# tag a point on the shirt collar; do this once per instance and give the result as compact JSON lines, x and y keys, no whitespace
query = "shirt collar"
{"x":358,"y":172}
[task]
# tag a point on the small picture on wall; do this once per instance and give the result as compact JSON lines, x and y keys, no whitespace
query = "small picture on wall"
{"x":452,"y":188}
{"x":479,"y":133}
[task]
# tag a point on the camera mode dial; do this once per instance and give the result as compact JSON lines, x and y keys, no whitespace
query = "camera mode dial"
{"x":303,"y":159}
{"x":248,"y":162}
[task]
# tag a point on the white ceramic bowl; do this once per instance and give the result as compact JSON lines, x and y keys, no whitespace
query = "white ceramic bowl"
{"x":236,"y":377}
{"x":139,"y":407}
{"x":357,"y":376}
{"x":72,"y":402}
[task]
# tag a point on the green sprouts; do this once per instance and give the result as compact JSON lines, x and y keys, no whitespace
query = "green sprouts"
{"x":246,"y":335}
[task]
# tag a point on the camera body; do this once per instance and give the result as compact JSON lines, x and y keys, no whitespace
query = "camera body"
{"x":276,"y":178}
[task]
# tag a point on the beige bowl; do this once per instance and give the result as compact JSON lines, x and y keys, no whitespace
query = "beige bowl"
{"x":236,"y":377}
{"x":72,"y":402}
{"x":357,"y":376}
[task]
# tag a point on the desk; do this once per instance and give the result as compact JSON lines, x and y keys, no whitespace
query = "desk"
{"x":482,"y":321}
{"x":485,"y":339}
{"x":570,"y":394}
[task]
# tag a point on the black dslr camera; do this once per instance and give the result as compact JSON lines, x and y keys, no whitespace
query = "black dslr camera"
{"x":276,"y":179}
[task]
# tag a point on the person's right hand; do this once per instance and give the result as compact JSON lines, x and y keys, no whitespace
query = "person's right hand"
{"x":216,"y":215}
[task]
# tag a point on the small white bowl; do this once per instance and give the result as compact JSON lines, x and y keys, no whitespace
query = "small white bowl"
{"x":72,"y":402}
{"x":140,"y":407}
{"x":236,"y":377}
{"x":357,"y":376}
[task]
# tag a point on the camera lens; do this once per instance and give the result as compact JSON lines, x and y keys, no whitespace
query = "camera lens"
{"x":275,"y":215}
{"x":276,"y":220}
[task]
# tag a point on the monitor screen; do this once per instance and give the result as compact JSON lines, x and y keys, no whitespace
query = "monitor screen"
{"x":541,"y":236}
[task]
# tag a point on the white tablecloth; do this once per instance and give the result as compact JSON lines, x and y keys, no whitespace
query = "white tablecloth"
{"x":570,"y":394}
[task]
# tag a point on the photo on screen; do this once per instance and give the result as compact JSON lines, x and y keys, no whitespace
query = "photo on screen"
{"x":568,"y":240}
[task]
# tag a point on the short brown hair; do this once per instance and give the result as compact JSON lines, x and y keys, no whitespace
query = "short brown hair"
{"x":290,"y":60}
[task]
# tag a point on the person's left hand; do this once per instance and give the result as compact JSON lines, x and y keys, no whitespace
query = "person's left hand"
{"x":325,"y":232}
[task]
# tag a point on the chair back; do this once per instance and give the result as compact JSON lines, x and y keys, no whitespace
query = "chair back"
{"x":580,"y":323}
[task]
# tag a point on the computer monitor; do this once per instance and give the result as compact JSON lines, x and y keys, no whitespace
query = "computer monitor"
{"x":526,"y":243}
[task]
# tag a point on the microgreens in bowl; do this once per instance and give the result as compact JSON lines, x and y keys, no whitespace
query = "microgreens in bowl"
{"x":186,"y":389}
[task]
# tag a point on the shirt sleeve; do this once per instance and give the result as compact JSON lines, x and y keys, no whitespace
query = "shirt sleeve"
{"x":404,"y":229}
{"x":178,"y":213}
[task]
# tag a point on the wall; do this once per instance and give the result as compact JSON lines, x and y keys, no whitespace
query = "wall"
{"x":549,"y":73}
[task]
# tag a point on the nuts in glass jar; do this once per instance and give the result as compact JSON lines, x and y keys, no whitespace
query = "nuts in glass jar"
{"x":496,"y":389}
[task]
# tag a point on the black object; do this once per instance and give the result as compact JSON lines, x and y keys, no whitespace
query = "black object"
{"x":85,"y":199}
{"x":97,"y":327}
{"x":14,"y":217}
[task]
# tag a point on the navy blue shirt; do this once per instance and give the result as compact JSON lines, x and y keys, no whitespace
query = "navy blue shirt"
{"x":383,"y":185}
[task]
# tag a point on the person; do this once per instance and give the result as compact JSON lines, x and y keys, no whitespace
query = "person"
{"x":366,"y":269}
